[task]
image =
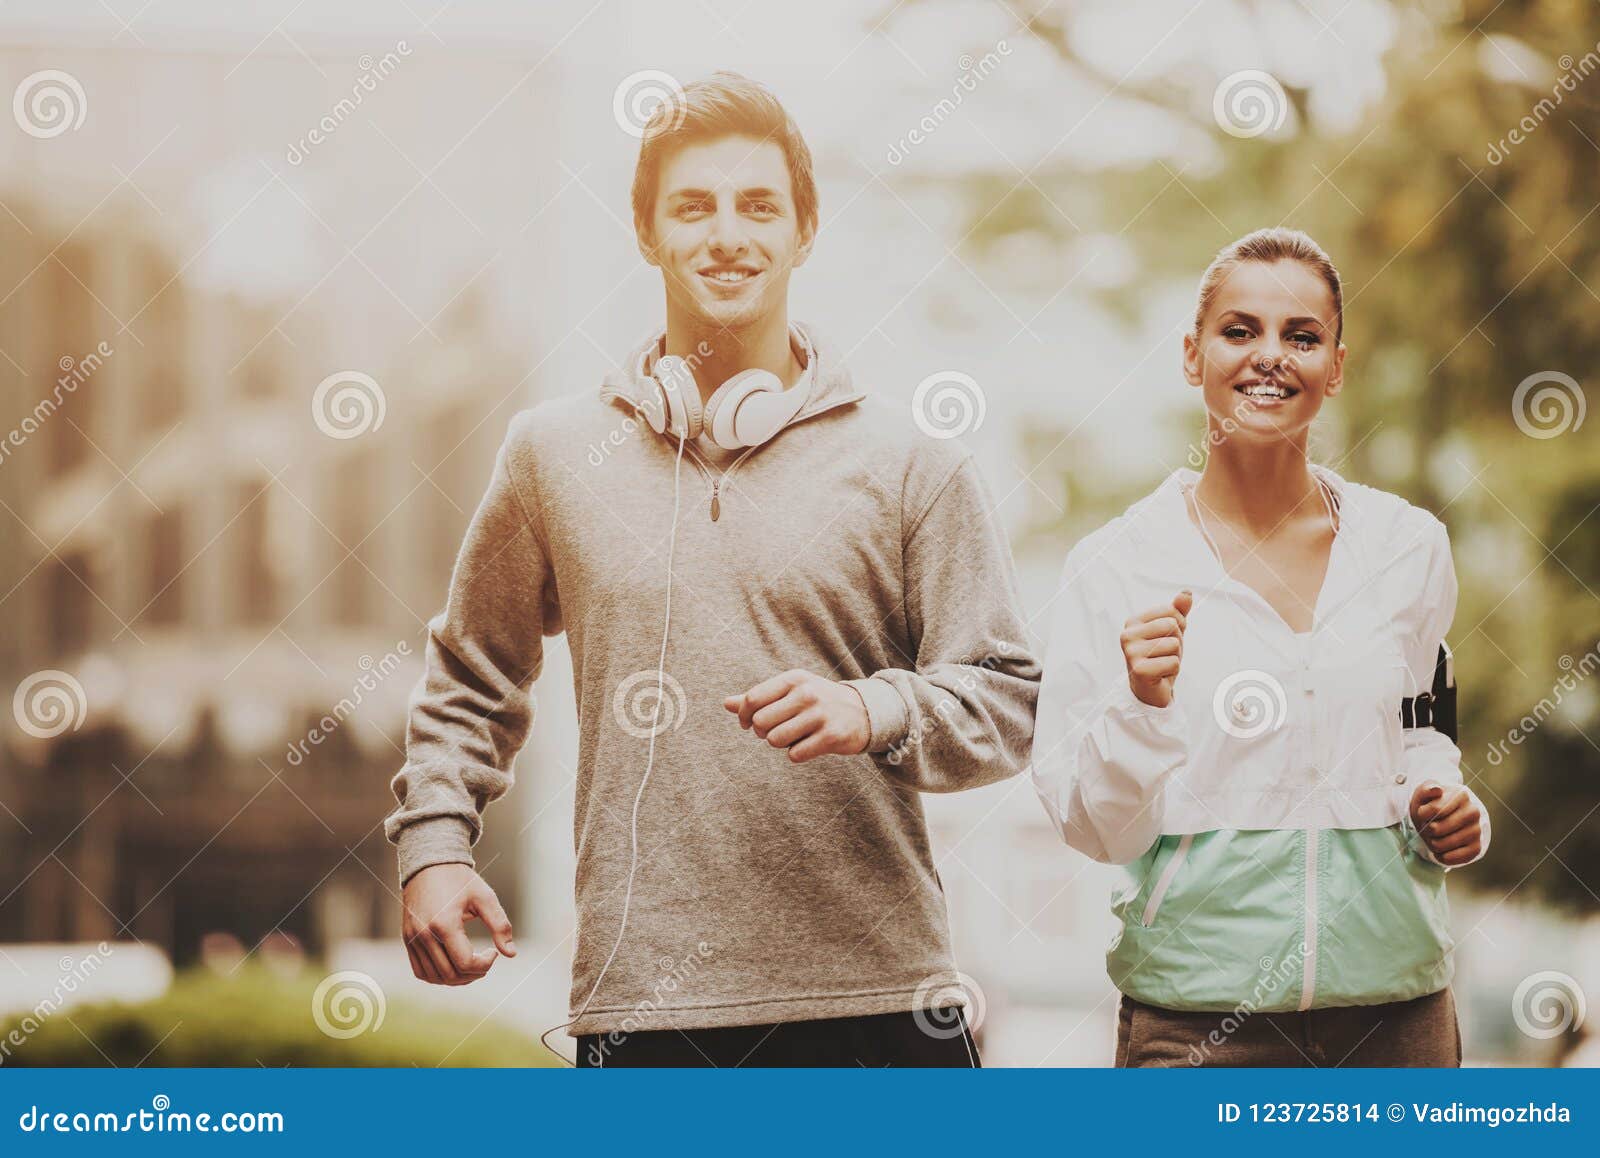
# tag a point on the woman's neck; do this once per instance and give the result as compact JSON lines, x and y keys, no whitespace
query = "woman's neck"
{"x":1256,"y":487}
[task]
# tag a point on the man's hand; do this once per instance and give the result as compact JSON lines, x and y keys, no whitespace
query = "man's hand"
{"x":1152,"y":647}
{"x":1449,"y":821}
{"x":437,"y":903}
{"x":807,"y":714}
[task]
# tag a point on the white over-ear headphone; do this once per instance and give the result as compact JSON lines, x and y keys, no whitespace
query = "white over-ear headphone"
{"x":746,"y":410}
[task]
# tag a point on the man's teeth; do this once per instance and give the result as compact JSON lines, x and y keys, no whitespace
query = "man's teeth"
{"x":1264,"y":391}
{"x":730,"y":275}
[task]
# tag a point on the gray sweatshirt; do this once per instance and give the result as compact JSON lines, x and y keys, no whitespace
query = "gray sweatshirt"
{"x":850,"y":545}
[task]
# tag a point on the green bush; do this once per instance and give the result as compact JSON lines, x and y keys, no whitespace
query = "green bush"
{"x":255,"y":1017}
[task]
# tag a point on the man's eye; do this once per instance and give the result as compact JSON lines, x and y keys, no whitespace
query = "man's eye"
{"x":691,"y":208}
{"x":765,"y":208}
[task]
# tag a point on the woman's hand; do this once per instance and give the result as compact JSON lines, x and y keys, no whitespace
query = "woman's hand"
{"x":1450,"y":821}
{"x":1152,"y":645}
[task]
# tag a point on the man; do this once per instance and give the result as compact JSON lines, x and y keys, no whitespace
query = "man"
{"x":776,"y":648}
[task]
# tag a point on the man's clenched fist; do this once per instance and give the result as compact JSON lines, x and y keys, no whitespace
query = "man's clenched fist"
{"x":805,"y":713}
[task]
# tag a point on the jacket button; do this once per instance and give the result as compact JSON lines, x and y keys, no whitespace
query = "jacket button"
{"x":1400,"y":779}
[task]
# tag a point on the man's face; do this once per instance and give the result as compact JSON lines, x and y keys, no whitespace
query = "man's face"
{"x":724,"y":230}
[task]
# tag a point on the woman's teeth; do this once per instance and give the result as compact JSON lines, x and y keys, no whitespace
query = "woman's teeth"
{"x":1259,"y":391}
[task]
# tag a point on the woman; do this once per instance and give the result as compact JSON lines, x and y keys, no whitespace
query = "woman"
{"x":1221,"y":712}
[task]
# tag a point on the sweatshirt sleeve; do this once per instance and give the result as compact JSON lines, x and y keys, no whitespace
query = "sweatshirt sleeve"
{"x":962,"y":716}
{"x":471,"y":712}
{"x":1430,"y":755}
{"x":1101,"y":756}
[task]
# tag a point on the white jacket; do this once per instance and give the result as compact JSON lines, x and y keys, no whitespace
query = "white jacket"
{"x":1268,"y":729}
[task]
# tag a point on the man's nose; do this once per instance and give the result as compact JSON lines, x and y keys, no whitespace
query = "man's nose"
{"x":727,"y":238}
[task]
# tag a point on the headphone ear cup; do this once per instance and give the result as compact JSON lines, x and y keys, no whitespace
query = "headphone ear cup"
{"x":730,"y":421}
{"x":675,"y":407}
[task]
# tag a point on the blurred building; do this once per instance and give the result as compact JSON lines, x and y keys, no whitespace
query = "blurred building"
{"x":205,"y":561}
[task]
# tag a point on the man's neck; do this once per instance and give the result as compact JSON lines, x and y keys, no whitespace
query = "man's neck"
{"x":717,"y":354}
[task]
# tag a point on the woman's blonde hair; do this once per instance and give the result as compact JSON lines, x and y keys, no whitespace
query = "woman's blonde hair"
{"x":1273,"y":244}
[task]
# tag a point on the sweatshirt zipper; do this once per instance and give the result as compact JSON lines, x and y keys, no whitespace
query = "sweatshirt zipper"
{"x":1164,"y":882}
{"x":716,"y":483}
{"x":1308,"y":983}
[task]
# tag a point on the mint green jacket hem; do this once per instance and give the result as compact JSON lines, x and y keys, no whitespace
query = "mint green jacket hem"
{"x":1282,"y":920}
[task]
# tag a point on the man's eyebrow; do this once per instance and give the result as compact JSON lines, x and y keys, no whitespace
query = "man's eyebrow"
{"x":764,"y":193}
{"x":693,"y":194}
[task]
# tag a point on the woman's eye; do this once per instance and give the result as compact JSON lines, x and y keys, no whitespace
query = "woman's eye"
{"x":1304,"y":340}
{"x":1235,"y":333}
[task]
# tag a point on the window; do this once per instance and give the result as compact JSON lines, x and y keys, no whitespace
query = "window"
{"x":255,"y":581}
{"x":163,"y":594}
{"x":71,"y":602}
{"x":69,"y":310}
{"x":354,"y":516}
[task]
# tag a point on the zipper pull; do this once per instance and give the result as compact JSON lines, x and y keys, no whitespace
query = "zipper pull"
{"x":716,"y":503}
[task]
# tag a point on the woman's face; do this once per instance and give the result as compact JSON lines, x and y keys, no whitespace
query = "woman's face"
{"x":1266,"y":354}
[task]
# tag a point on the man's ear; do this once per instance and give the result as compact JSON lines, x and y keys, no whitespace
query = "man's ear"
{"x":1335,"y":379}
{"x":644,"y":235}
{"x":1192,"y":362}
{"x":808,"y":238}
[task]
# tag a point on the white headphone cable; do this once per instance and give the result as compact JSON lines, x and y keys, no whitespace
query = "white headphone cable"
{"x":661,"y":677}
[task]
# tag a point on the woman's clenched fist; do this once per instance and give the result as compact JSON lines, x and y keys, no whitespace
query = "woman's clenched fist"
{"x":1152,"y":645}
